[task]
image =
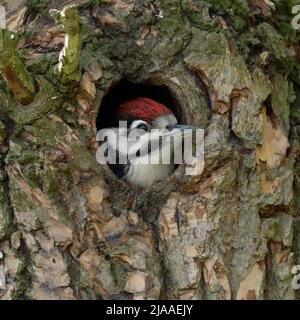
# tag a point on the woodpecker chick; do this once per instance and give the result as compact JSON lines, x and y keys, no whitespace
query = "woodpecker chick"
{"x":145,"y":114}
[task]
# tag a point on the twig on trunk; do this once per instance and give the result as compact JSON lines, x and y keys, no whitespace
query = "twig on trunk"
{"x":13,"y":69}
{"x":69,"y":59}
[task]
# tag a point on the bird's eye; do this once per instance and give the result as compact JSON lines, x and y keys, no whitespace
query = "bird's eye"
{"x":142,"y":126}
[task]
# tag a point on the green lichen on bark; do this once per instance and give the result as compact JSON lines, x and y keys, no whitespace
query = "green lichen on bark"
{"x":274,"y":42}
{"x":281,"y":98}
{"x":6,"y":219}
{"x":38,"y":5}
{"x":13,"y":69}
{"x":47,"y":99}
{"x":6,"y":216}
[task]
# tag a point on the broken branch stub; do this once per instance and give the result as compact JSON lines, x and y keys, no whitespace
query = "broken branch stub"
{"x":69,"y":60}
{"x":13,"y":69}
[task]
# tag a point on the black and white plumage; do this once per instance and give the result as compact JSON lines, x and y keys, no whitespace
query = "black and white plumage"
{"x":141,"y":116}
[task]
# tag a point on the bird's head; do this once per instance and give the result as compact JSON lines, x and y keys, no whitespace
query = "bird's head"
{"x":143,"y":115}
{"x":143,"y":143}
{"x":146,"y":114}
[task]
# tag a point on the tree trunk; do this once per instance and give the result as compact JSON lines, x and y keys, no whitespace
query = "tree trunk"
{"x":69,"y":229}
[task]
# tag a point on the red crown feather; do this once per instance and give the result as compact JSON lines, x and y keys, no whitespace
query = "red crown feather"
{"x":142,"y":108}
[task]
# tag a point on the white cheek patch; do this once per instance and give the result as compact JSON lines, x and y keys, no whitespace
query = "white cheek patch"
{"x":163,"y":121}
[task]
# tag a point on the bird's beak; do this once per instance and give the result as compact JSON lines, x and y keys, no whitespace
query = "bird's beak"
{"x":180,"y":131}
{"x":180,"y":127}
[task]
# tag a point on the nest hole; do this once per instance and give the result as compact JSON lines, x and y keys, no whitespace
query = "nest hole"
{"x":124,"y":91}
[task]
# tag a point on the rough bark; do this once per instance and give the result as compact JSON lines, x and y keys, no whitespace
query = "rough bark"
{"x":69,"y":229}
